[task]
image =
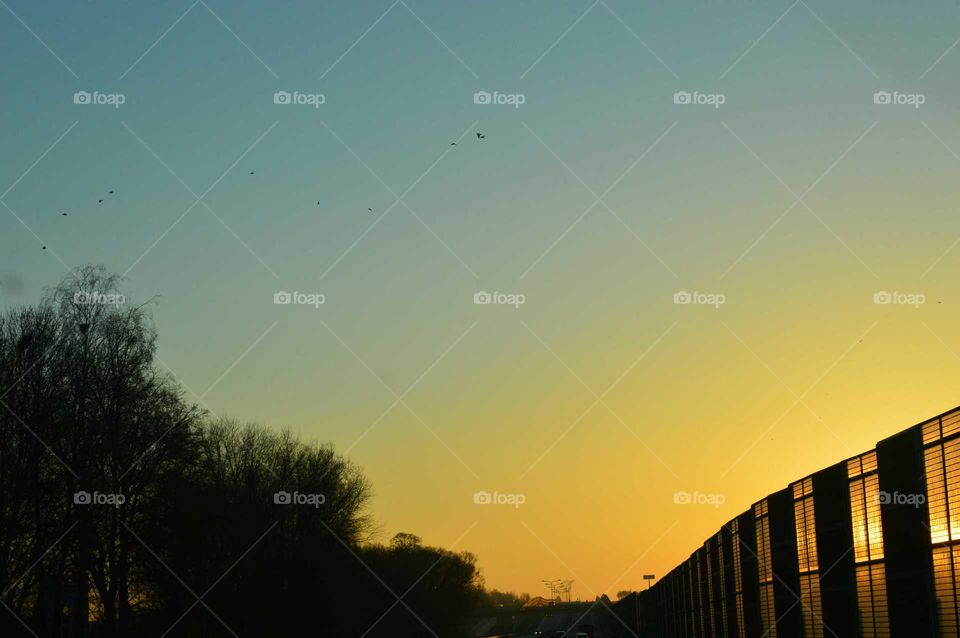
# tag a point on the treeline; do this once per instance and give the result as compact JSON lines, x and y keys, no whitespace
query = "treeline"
{"x":127,"y":511}
{"x":496,"y":600}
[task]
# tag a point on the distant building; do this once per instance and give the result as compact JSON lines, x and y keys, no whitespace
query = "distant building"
{"x":869,"y":547}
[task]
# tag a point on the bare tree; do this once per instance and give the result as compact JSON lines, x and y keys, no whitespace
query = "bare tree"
{"x":121,"y":503}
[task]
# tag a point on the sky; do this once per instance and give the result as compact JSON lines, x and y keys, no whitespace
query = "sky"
{"x":787,"y":168}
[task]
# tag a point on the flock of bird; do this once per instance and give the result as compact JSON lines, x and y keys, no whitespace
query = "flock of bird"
{"x":66,"y":214}
{"x":480,"y":136}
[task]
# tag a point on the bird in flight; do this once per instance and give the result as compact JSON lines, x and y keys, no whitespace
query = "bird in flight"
{"x":251,"y":172}
{"x":111,"y":192}
{"x":64,"y":214}
{"x":370,"y":209}
{"x":481,"y":136}
{"x":453,"y":143}
{"x":99,"y":201}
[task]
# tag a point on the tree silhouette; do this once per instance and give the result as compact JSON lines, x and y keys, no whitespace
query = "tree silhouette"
{"x":127,"y":511}
{"x":440,"y":589}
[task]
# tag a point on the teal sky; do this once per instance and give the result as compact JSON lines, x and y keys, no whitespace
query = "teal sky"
{"x":698,"y":211}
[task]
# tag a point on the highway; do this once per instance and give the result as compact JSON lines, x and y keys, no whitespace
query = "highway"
{"x":553,"y":622}
{"x":568,"y":622}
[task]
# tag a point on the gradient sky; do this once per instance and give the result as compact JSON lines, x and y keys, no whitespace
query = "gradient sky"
{"x":797,"y":370}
